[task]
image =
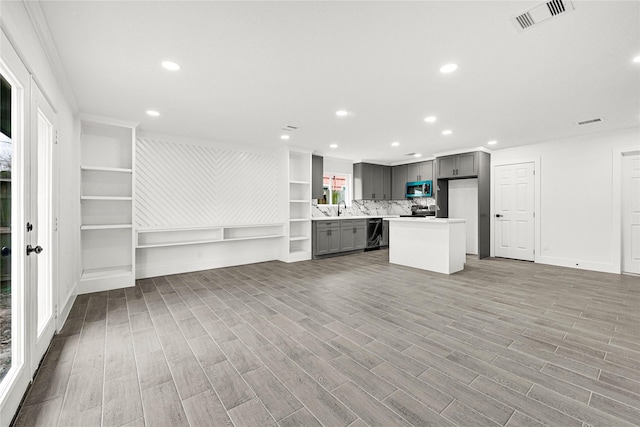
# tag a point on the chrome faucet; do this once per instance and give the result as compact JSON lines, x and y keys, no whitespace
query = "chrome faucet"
{"x":345,"y":206}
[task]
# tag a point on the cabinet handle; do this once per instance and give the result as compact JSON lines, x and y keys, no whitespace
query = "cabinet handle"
{"x":354,"y":230}
{"x":328,"y":232}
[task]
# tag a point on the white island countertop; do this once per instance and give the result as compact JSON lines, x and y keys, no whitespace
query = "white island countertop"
{"x":434,"y":244}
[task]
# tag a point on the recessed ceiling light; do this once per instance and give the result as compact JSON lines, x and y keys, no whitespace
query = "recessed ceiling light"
{"x":285,"y":137}
{"x":447,"y":132}
{"x":449,"y":68}
{"x":636,"y":59}
{"x":395,"y":143}
{"x":333,"y":145}
{"x":430,"y":119}
{"x":171,"y":66}
{"x":417,"y":155}
{"x":492,"y":142}
{"x":341,"y":113}
{"x":153,"y":113}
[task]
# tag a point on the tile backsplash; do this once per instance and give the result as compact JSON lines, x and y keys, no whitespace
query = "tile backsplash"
{"x":370,"y":207}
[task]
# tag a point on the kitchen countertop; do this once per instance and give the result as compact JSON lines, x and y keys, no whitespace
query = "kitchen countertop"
{"x":428,"y":220}
{"x":333,"y":218}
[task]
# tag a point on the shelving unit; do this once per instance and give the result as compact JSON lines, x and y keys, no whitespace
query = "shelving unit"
{"x":298,"y":209}
{"x":107,"y":204}
{"x":180,"y":236}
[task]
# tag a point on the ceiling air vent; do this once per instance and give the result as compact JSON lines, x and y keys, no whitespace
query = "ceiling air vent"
{"x":540,"y":13}
{"x":587,"y":122}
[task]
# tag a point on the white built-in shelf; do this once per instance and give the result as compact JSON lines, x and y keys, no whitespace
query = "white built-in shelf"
{"x":300,"y":182}
{"x":181,"y":236}
{"x":299,"y":219}
{"x":294,"y":238}
{"x":299,"y":201}
{"x":107,"y":195}
{"x":101,"y":273}
{"x":105,"y":169}
{"x":122,"y":198}
{"x":105,"y":226}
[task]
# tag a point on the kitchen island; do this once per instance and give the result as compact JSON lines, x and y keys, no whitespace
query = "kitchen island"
{"x":434,"y":244}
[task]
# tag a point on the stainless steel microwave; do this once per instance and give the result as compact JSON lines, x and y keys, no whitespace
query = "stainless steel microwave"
{"x":418,"y":189}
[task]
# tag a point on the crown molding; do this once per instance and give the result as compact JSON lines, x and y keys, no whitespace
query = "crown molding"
{"x":41,"y":26}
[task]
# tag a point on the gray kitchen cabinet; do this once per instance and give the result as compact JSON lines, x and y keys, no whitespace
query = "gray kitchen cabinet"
{"x":371,"y":181}
{"x":386,"y":183}
{"x":376,"y":181}
{"x":467,"y":164}
{"x":422,"y":171}
{"x":317,"y":173}
{"x":461,"y":166}
{"x":327,"y":237}
{"x":458,"y":165}
{"x":353,"y":234}
{"x":398,"y":182}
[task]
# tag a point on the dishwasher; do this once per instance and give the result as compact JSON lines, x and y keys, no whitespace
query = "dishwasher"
{"x":374,"y":233}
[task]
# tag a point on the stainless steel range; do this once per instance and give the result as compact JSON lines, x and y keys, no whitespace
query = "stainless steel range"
{"x":422,"y":211}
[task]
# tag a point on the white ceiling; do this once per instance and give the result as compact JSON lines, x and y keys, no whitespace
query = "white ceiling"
{"x":251,"y":68}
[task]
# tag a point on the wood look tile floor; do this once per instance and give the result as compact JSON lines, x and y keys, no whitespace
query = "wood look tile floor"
{"x":349,"y":341}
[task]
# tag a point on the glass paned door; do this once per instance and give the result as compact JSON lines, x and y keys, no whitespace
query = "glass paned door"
{"x":41,"y":235}
{"x":15,"y":197}
{"x":6,"y":155}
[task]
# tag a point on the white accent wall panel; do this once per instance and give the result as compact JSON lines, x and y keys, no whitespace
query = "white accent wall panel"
{"x":183,"y":184}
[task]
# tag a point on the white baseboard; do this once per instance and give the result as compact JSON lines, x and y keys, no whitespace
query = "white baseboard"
{"x":63,"y":313}
{"x":578,"y":264}
{"x":145,"y":271}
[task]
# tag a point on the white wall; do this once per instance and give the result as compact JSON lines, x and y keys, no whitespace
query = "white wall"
{"x":17,"y":24}
{"x":186,"y":183}
{"x":577,"y":211}
{"x":338,"y":165}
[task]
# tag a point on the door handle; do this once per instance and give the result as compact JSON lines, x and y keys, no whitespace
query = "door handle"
{"x":499,"y":215}
{"x":30,"y":249}
{"x":5,"y":251}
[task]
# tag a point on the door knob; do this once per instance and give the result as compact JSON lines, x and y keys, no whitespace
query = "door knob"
{"x":30,"y":249}
{"x":5,"y":251}
{"x":499,"y":215}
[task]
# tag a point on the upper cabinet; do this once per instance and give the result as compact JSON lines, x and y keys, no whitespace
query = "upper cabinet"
{"x":317,"y":173}
{"x":458,"y":165}
{"x":371,"y":181}
{"x":398,"y":182}
{"x":422,"y":171}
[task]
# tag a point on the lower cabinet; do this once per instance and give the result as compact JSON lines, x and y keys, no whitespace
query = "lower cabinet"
{"x":353,"y":234}
{"x":330,"y":237}
{"x":327,"y":237}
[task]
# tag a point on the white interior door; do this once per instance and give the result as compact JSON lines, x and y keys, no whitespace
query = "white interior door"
{"x":631,"y":214}
{"x":15,"y":346}
{"x":41,"y":236}
{"x":514,"y":203}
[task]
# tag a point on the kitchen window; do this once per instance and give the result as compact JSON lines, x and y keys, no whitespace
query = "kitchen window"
{"x":335,"y":189}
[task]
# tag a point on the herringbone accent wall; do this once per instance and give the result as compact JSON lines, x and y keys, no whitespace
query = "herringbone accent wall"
{"x":180,"y":184}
